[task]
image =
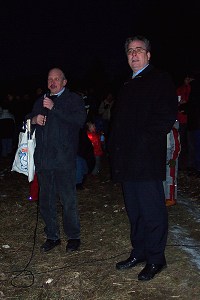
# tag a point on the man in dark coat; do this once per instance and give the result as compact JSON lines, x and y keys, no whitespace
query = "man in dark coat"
{"x":58,"y":118}
{"x":144,"y":113}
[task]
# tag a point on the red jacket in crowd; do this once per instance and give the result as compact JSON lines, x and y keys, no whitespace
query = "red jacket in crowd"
{"x":96,"y":142}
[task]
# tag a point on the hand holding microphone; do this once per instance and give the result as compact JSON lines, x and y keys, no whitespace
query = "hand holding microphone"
{"x":47,"y":102}
{"x":47,"y":105}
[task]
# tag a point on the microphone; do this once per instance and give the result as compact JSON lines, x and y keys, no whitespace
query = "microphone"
{"x":47,"y":93}
{"x":45,"y":109}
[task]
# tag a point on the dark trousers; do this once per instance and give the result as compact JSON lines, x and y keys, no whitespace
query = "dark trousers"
{"x":148,"y":217}
{"x":56,"y":184}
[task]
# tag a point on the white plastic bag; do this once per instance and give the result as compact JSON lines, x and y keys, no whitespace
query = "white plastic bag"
{"x":24,"y":161}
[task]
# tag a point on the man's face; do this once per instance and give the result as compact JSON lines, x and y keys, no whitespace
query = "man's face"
{"x":137,"y":55}
{"x":56,"y":81}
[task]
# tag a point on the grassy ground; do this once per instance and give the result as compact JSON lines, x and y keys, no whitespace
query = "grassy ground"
{"x":90,"y":273}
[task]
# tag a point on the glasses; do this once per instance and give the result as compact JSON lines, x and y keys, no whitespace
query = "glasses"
{"x":137,"y":50}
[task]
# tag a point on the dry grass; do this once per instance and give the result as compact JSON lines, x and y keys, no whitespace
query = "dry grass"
{"x":90,"y":273}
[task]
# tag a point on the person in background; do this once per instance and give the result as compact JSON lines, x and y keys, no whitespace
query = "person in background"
{"x":85,"y":160}
{"x":92,"y":102}
{"x":173,"y":151}
{"x":144,"y":114}
{"x":95,"y":138}
{"x":105,"y":110}
{"x":7,"y":133}
{"x":183,"y":92}
{"x":9,"y":102}
{"x":58,"y":117}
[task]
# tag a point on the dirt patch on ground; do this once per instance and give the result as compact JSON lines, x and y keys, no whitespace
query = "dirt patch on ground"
{"x":90,"y":273}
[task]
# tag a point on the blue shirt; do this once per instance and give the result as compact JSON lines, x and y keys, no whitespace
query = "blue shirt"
{"x":138,"y":72}
{"x":59,"y":92}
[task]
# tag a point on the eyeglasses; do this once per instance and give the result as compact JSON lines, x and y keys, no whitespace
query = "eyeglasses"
{"x":137,"y":50}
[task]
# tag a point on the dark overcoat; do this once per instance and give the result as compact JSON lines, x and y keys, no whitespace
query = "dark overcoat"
{"x":57,"y":141}
{"x":144,"y":113}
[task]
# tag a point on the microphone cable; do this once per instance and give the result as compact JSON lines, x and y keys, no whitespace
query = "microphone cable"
{"x":27,"y":273}
{"x":24,"y":270}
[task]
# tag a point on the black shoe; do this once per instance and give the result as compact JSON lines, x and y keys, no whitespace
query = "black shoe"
{"x":128,"y":263}
{"x":150,"y":270}
{"x":73,"y":245}
{"x":49,"y":244}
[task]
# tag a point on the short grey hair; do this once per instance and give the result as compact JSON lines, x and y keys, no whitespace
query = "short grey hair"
{"x":61,"y":71}
{"x":138,"y":38}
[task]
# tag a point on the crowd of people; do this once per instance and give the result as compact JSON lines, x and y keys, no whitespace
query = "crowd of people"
{"x":149,"y":132}
{"x":13,"y":109}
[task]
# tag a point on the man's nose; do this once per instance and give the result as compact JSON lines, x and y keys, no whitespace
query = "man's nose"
{"x":134,"y":53}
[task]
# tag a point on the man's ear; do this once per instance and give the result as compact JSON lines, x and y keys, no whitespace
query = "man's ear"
{"x":64,"y":82}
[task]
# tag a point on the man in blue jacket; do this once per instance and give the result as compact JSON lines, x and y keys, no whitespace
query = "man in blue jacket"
{"x":58,"y":117}
{"x":144,"y":113}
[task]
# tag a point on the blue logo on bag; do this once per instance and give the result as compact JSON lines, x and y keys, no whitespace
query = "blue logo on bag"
{"x":23,"y":157}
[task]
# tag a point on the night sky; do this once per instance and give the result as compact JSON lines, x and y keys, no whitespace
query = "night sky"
{"x":79,"y":36}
